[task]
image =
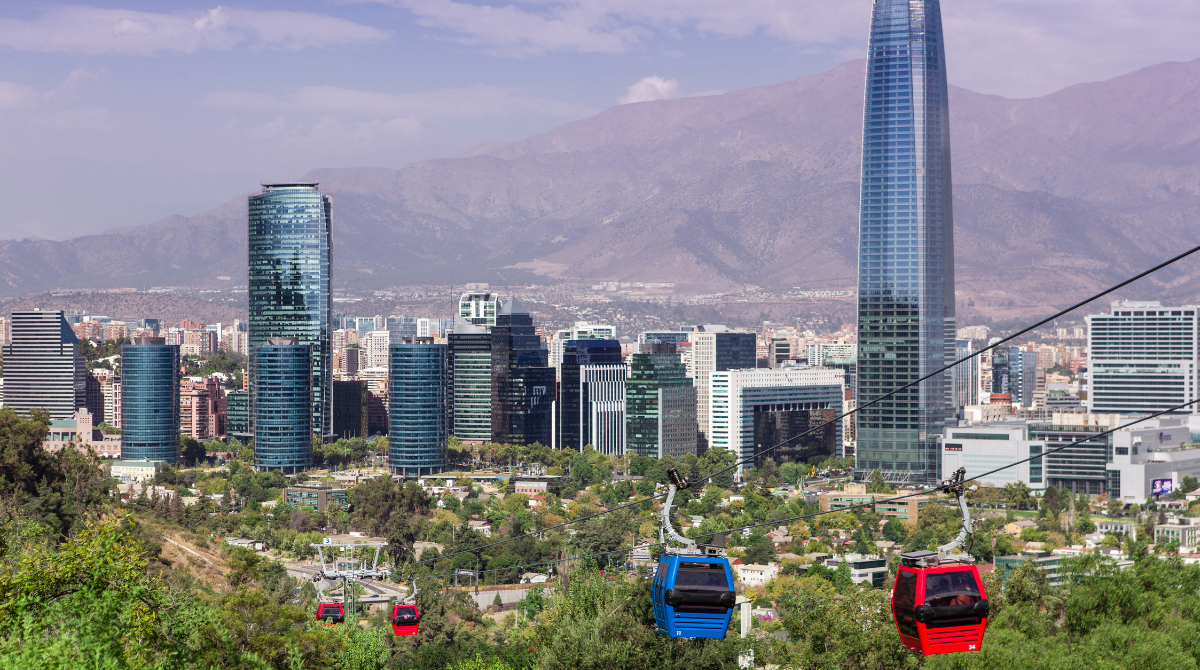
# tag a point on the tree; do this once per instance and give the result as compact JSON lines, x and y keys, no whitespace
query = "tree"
{"x":496,"y":601}
{"x":192,"y":451}
{"x":878,"y":485}
{"x":895,"y":530}
{"x":383,"y":507}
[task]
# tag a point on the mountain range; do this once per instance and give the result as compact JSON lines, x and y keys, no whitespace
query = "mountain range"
{"x":1054,"y":197}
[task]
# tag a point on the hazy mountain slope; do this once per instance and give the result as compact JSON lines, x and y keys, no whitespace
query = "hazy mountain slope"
{"x":1053,"y":196}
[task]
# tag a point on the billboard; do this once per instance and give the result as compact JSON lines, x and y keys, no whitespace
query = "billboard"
{"x":1161,"y":487}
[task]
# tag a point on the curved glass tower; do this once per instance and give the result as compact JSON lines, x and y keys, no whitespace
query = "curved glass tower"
{"x":150,"y":400}
{"x":283,"y":420}
{"x":417,"y":408}
{"x":906,"y":244}
{"x":289,"y":289}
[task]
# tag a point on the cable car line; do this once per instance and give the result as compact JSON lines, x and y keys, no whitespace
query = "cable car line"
{"x":889,"y":394}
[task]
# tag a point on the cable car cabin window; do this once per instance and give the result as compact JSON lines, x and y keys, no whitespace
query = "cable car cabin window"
{"x":703,"y":577}
{"x":905,"y":603}
{"x":952,"y":589}
{"x":406,"y":613}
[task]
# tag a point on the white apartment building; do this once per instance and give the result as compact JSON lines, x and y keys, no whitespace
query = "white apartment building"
{"x":817,"y":352}
{"x":737,"y":395}
{"x":1143,"y":357}
{"x":478,"y":308}
{"x":374,"y":348}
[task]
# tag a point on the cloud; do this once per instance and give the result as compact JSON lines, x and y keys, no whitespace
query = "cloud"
{"x":12,"y":95}
{"x":96,"y":31}
{"x":446,"y":104}
{"x":652,"y":88}
{"x":1017,"y":48}
{"x":528,"y":27}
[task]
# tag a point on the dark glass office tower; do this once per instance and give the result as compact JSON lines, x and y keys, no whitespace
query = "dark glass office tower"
{"x":523,"y":383}
{"x":660,"y":403}
{"x":42,"y":366}
{"x":417,"y":407}
{"x":469,"y":367}
{"x":283,"y":419}
{"x":906,"y":244}
{"x":290,"y":242}
{"x":150,"y":400}
{"x":237,"y":413}
{"x":573,"y":415}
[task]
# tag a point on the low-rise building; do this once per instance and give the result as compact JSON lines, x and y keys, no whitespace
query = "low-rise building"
{"x":321,"y":496}
{"x":81,"y":434}
{"x":1184,"y":530}
{"x":484,"y":527}
{"x":905,"y":510}
{"x":1048,"y":562}
{"x":1016,"y":527}
{"x":129,"y":472}
{"x":755,"y":574}
{"x":872,"y":570}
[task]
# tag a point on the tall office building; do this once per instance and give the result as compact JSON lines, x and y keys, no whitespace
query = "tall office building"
{"x":906,"y":245}
{"x":237,"y":414}
{"x":401,"y":327}
{"x":660,"y":403}
{"x":717,"y":349}
{"x":150,"y":425}
{"x":592,"y":371}
{"x":770,"y":403}
{"x":350,"y":408}
{"x":479,"y":308}
{"x":469,"y":367}
{"x":282,"y":403}
{"x":1143,"y":357}
{"x":417,"y":407}
{"x":1022,"y":375}
{"x":523,"y":383}
{"x":289,"y":287}
{"x":42,"y":366}
{"x":966,"y":376}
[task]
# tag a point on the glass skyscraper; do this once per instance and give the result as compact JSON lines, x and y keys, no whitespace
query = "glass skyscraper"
{"x":289,"y":289}
{"x":150,"y":400}
{"x":906,"y":244}
{"x":417,"y":408}
{"x":581,"y":358}
{"x":283,"y":420}
{"x":469,"y":368}
{"x":523,"y":383}
{"x":660,"y":403}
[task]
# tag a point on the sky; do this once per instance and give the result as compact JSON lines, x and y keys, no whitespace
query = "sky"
{"x":120,"y":113}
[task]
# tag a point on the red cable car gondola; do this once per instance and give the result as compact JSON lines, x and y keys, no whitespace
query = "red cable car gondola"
{"x":406,"y":619}
{"x":331,"y":613}
{"x":938,"y":600}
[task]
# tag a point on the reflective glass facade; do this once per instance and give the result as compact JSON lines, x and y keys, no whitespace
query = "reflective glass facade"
{"x":575,"y":402}
{"x":237,"y":412}
{"x":283,"y":419}
{"x":906,"y":244}
{"x":470,"y":371}
{"x":651,"y":377}
{"x":150,"y":402}
{"x":523,"y":383}
{"x":417,"y":409}
{"x":289,"y":290}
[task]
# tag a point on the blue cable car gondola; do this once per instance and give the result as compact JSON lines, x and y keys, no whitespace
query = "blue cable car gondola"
{"x":692,"y":593}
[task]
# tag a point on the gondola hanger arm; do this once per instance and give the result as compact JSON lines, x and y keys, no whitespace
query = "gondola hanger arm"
{"x":956,"y":486}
